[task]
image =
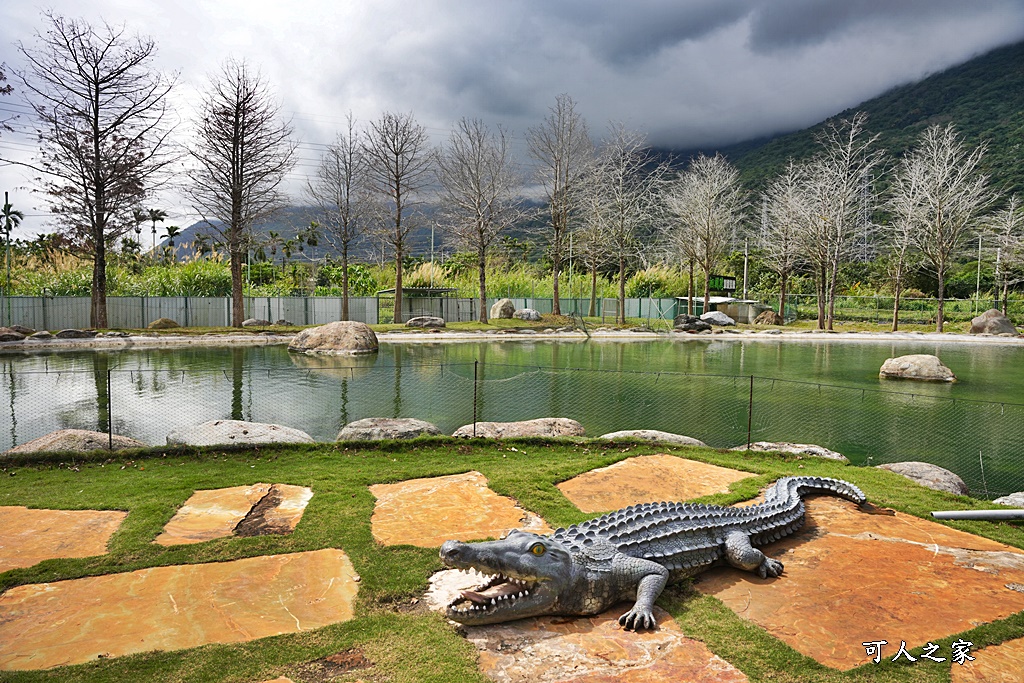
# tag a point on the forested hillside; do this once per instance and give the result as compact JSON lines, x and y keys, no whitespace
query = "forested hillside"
{"x":984,"y":98}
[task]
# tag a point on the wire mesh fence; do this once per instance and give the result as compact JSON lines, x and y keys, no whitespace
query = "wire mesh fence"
{"x":980,"y":441}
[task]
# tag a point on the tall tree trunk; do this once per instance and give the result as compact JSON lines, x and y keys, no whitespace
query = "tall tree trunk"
{"x":398,"y":287}
{"x":622,"y":290}
{"x":237,"y":304}
{"x":820,"y":290}
{"x":707,"y":290}
{"x":556,"y":267}
{"x":690,"y":290}
{"x":940,"y":314}
{"x":782,"y":294}
{"x":832,"y":283}
{"x":344,"y":280}
{"x":1006,"y":291}
{"x":897,"y":290}
{"x":482,"y":263}
{"x":593,"y":291}
{"x":98,"y":312}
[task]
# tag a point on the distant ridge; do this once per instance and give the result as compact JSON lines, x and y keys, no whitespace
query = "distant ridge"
{"x":983,"y":98}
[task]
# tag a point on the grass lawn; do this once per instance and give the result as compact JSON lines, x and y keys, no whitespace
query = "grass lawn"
{"x":404,"y":642}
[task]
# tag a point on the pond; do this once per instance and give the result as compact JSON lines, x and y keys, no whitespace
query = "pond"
{"x":722,"y":391}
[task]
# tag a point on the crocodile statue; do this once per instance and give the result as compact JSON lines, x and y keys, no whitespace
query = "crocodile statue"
{"x":629,"y":554}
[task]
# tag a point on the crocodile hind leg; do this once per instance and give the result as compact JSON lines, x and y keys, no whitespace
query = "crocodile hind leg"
{"x":740,"y":554}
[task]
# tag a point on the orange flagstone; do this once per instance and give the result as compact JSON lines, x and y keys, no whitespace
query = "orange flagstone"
{"x":1003,"y":663}
{"x":214,"y":513}
{"x":596,"y":650}
{"x":647,"y":479}
{"x":28,"y":537}
{"x":852,"y":577}
{"x":428,"y":512}
{"x":170,"y":608}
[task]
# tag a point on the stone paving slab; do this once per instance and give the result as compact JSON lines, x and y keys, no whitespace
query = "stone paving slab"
{"x":647,"y":479}
{"x":171,"y":608}
{"x":215,"y":513}
{"x":851,"y":577}
{"x":428,"y":512}
{"x":587,"y":649}
{"x":1003,"y":663}
{"x":29,"y":536}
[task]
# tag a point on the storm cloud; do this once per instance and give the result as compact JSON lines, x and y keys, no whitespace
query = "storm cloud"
{"x":691,"y":73}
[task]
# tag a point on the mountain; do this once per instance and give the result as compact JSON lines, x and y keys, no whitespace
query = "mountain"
{"x":983,"y":98}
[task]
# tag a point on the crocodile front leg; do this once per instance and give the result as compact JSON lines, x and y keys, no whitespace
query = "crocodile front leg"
{"x":649,"y":578}
{"x":740,"y":554}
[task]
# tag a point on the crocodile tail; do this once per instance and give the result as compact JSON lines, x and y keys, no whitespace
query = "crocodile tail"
{"x":788,"y":488}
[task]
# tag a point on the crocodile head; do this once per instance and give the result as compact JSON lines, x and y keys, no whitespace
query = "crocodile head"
{"x":526,"y":575}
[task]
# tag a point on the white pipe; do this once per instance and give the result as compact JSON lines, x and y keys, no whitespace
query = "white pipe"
{"x":979,"y":514}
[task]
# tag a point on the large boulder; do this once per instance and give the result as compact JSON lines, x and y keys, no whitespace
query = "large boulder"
{"x":343,"y":337}
{"x":794,"y":448}
{"x":21,"y":329}
{"x":992,"y":321}
{"x":717,"y":318}
{"x":225,"y":432}
{"x":918,"y":366}
{"x":76,"y":334}
{"x":931,"y":476}
{"x":163,"y":324}
{"x":503,"y":308}
{"x":527,"y":314}
{"x":1014,"y":500}
{"x":41,"y":335}
{"x":769,"y":317}
{"x":544,"y":426}
{"x":690,"y":323}
{"x":76,"y":440}
{"x":378,"y":428}
{"x":652,"y":435}
{"x":255,"y":322}
{"x":9,"y":335}
{"x":431,"y":321}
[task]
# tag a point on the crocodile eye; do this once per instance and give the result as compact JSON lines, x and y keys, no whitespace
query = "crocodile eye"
{"x":538,"y":549}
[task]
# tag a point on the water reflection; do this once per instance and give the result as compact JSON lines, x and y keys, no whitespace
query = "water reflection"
{"x":605,"y":385}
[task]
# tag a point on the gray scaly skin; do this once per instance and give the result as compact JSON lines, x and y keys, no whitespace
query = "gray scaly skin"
{"x":629,"y":554}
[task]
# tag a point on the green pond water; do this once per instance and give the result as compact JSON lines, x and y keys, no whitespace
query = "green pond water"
{"x":723,"y":392}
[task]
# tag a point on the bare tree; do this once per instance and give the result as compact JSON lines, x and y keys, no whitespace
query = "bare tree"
{"x":562,"y":148}
{"x":480,"y":187}
{"x":843,"y":173}
{"x":400,"y":166}
{"x":710,"y":202}
{"x":951,"y":198}
{"x":341,"y":193}
{"x":621,"y":196}
{"x":899,"y":234}
{"x":1007,"y":227}
{"x":103,"y":133}
{"x":786,"y":214}
{"x":242,"y":151}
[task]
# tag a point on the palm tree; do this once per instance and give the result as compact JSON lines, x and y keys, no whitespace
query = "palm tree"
{"x":157,"y":216}
{"x":11,"y":218}
{"x":172,"y":232}
{"x":201,"y":244}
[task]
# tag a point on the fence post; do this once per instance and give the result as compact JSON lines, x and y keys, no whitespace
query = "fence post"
{"x":476,"y":363}
{"x":110,"y":416}
{"x":750,"y":411}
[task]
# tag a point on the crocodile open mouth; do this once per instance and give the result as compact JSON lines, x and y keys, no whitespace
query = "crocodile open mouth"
{"x":496,"y":594}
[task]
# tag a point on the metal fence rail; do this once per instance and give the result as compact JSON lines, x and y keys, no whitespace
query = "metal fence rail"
{"x":981,"y":441}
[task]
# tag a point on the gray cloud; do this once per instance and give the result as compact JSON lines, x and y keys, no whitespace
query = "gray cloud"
{"x":689,"y":72}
